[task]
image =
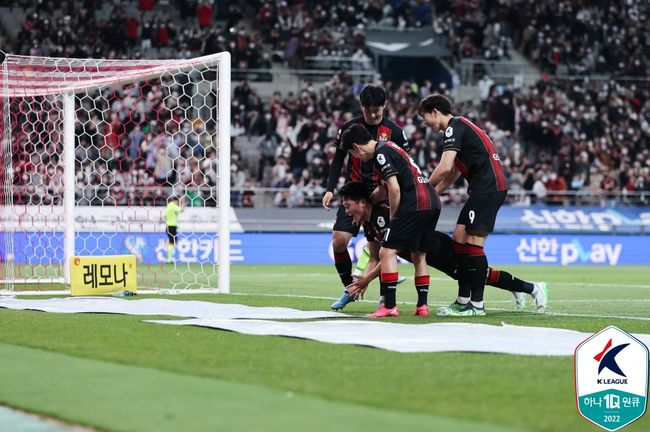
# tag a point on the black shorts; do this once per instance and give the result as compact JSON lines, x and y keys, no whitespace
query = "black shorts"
{"x":344,"y":222}
{"x":411,"y":232}
{"x":480,"y":212}
{"x":171,"y":234}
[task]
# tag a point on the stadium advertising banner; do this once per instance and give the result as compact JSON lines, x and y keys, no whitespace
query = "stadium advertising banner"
{"x":111,"y":219}
{"x":615,"y":219}
{"x":315,"y":248}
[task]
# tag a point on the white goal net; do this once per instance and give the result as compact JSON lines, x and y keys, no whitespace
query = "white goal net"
{"x":92,"y":152}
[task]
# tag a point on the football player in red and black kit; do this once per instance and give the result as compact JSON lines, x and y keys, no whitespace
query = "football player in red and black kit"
{"x":414,"y":212}
{"x":467,"y":151}
{"x":440,"y":253}
{"x":373,"y":103}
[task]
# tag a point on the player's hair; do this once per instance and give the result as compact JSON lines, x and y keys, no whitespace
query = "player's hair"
{"x":372,"y":96}
{"x":435,"y":101}
{"x":355,"y":191}
{"x":355,"y":134}
{"x":174,"y":198}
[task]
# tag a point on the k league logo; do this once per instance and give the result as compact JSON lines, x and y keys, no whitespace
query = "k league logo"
{"x":449,"y":131}
{"x":611,"y":378}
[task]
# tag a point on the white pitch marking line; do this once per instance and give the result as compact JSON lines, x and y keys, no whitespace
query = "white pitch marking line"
{"x":446,"y":279}
{"x":445,"y":304}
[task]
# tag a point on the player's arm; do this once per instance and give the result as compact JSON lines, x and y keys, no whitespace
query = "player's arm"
{"x":449,"y":180}
{"x":399,"y":138}
{"x":333,"y":177}
{"x":444,"y":168}
{"x":373,"y":270}
{"x":379,"y":194}
{"x":394,"y":195}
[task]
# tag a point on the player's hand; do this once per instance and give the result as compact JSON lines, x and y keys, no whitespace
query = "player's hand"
{"x":357,"y":288}
{"x":326,"y":199}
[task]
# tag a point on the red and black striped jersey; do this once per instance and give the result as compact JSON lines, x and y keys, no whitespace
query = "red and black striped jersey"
{"x":416,"y":193}
{"x":375,"y":228}
{"x":477,"y":159}
{"x":440,"y":253}
{"x":357,"y":170}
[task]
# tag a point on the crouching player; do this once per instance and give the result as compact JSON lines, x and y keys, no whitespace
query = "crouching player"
{"x":414,"y":210}
{"x":440,"y":253}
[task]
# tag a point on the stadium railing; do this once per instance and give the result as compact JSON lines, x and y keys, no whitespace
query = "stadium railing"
{"x":317,"y":75}
{"x":305,"y":196}
{"x":504,"y":71}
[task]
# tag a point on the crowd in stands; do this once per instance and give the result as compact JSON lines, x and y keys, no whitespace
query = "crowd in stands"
{"x":586,"y":137}
{"x":144,"y":150}
{"x":556,"y":136}
{"x":564,"y":37}
{"x":581,"y":38}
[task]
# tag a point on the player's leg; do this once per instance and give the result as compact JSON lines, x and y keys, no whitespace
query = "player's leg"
{"x":343,"y":265}
{"x":482,"y":214}
{"x":479,"y":215}
{"x":410,"y":232}
{"x":475,"y":222}
{"x":362,"y":262}
{"x":477,"y":266}
{"x":421,"y":239}
{"x":506,"y":281}
{"x":344,"y":230}
{"x":460,"y":252}
{"x":362,"y":265}
{"x":342,"y":260}
{"x":460,"y":257}
{"x":388,"y":284}
{"x":171,"y":243}
{"x":421,"y":283}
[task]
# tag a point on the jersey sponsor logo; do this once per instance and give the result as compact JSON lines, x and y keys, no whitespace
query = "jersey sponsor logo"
{"x":381,"y":222}
{"x":449,"y":131}
{"x":383,"y":133}
{"x":381,"y":159}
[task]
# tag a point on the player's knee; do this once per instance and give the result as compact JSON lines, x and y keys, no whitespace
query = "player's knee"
{"x":340,"y":242}
{"x":386,"y":253}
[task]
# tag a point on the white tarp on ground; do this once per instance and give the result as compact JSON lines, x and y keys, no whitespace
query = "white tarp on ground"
{"x":177,"y":308}
{"x":440,"y":337}
{"x":435,"y":337}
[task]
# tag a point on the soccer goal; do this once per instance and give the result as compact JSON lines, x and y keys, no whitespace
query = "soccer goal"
{"x":92,"y":152}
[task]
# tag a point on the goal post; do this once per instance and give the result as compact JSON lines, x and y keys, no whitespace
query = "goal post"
{"x":94,"y":149}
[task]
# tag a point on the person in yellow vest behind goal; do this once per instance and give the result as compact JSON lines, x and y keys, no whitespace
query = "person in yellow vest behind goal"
{"x":172,"y":212}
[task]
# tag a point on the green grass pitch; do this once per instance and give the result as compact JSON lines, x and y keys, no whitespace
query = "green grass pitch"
{"x":115,"y":373}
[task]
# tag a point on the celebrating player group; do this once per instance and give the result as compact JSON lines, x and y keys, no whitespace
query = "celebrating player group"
{"x":387,"y":194}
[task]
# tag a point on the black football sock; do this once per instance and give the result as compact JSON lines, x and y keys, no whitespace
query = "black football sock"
{"x":422,"y":287}
{"x":461,"y":258}
{"x":504,"y":280}
{"x":477,"y":266}
{"x":388,"y":282}
{"x":343,"y":265}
